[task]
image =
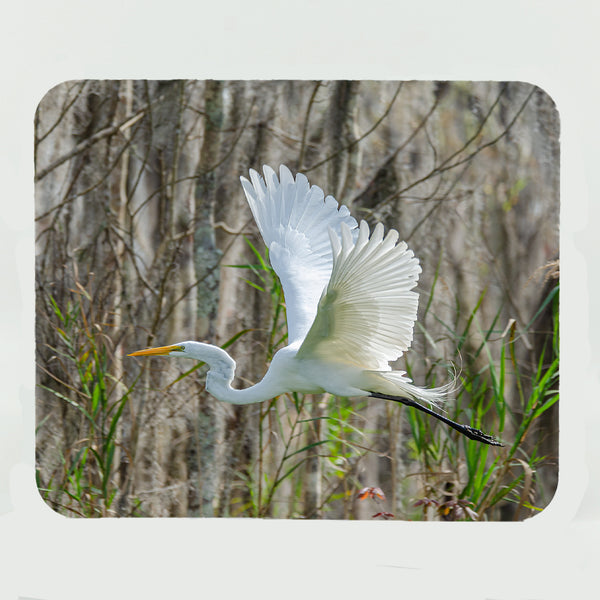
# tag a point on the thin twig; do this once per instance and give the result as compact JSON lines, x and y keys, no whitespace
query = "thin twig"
{"x":305,"y":127}
{"x":358,"y":139}
{"x":89,"y":142}
{"x":66,"y":106}
{"x":446,"y":165}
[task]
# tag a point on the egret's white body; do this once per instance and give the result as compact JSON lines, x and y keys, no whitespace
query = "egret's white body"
{"x":349,"y":303}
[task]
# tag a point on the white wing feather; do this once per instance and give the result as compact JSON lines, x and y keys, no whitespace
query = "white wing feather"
{"x":295,"y":220}
{"x":367,"y":313}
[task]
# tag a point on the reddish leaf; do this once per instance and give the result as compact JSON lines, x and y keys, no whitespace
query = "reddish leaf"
{"x":378,"y":492}
{"x":385,"y":515}
{"x":363,"y":493}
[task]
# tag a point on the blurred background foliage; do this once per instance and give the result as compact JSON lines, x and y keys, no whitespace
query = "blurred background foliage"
{"x":143,"y":237}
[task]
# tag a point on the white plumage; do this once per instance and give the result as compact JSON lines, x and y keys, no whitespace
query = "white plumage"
{"x":349,"y":299}
{"x":294,"y":220}
{"x":367,"y":312}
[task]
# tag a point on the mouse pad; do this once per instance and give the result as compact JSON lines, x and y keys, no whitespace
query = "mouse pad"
{"x":404,"y":261}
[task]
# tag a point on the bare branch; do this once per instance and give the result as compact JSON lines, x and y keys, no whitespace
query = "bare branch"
{"x":446,"y":165}
{"x":311,"y":101}
{"x":362,"y":137}
{"x":89,"y":142}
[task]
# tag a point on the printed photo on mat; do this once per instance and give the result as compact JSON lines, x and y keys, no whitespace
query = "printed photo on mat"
{"x":297,"y":299}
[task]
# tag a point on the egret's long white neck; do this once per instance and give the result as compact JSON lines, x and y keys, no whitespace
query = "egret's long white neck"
{"x":221,"y":374}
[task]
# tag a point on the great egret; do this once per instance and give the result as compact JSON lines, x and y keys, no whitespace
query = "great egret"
{"x":350,"y":308}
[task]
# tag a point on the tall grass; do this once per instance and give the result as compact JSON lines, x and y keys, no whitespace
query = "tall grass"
{"x":311,"y":448}
{"x":84,"y":484}
{"x":473,"y":474}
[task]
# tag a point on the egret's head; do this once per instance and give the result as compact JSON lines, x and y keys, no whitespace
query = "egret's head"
{"x":174,"y":350}
{"x":216,"y":357}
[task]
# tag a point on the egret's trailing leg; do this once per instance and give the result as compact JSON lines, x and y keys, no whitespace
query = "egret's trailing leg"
{"x":470,"y":432}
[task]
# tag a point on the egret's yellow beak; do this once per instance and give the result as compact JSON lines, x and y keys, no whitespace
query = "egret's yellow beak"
{"x":160,"y":351}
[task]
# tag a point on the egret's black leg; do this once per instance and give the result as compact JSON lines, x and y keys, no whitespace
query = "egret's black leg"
{"x":470,"y":432}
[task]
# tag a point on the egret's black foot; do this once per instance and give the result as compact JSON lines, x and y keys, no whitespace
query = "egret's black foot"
{"x":470,"y":432}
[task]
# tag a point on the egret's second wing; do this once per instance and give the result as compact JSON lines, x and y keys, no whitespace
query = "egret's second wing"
{"x":367,"y":313}
{"x":294,"y":219}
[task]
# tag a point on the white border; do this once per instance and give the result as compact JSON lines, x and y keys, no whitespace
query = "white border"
{"x":552,"y":44}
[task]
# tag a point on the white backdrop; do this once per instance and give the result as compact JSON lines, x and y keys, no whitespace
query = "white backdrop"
{"x":552,"y":44}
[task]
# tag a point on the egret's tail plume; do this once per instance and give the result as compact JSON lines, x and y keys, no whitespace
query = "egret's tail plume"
{"x":402,"y":386}
{"x":470,"y":432}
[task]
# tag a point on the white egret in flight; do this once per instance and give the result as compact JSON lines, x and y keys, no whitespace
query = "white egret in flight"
{"x":349,"y":303}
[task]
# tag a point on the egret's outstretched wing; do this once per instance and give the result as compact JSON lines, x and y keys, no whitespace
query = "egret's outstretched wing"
{"x":294,"y":219}
{"x":366,"y":315}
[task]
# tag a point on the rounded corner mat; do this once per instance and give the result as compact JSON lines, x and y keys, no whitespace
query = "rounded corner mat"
{"x":290,"y":362}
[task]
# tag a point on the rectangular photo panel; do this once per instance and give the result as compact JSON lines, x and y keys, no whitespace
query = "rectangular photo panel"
{"x":297,"y":299}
